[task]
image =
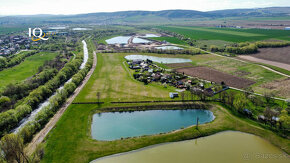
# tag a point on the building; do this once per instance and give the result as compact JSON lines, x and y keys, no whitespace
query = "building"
{"x":287,"y":28}
{"x":173,"y":94}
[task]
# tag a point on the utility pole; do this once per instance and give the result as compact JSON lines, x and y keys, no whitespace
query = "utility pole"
{"x":98,"y":96}
{"x":197,"y":119}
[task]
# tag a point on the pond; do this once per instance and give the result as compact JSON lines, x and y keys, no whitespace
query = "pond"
{"x":151,"y":35}
{"x":169,"y":48}
{"x":57,"y":27}
{"x":158,"y":59}
{"x":227,"y":146}
{"x":112,"y":126}
{"x":118,"y":40}
{"x":137,"y":40}
{"x":81,"y":29}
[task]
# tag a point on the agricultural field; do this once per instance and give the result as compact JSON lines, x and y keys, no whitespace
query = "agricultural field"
{"x":216,"y":76}
{"x":245,"y":70}
{"x":228,"y":34}
{"x":25,"y":69}
{"x":274,"y":54}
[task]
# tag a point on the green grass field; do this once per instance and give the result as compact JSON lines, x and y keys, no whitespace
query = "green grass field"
{"x":228,"y":34}
{"x":114,"y":81}
{"x":25,"y":69}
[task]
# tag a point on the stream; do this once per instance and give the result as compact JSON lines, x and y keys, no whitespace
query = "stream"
{"x":31,"y":117}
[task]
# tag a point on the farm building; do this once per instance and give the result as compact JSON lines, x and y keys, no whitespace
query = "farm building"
{"x":173,"y":94}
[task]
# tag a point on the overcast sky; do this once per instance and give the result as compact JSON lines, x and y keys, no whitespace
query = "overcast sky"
{"x":29,"y":7}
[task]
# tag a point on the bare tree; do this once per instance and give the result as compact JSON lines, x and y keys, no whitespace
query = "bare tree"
{"x":12,"y":149}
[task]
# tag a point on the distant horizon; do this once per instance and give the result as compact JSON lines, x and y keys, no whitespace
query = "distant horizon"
{"x":145,"y":11}
{"x":67,"y":7}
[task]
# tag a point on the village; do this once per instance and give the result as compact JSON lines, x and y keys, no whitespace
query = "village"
{"x":11,"y":44}
{"x":146,"y":71}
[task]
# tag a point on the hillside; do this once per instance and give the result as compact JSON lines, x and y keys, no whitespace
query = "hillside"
{"x":165,"y":16}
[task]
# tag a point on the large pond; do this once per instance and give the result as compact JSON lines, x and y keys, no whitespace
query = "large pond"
{"x":169,"y":48}
{"x":118,"y":40}
{"x":158,"y":59}
{"x":112,"y":126}
{"x":222,"y":147}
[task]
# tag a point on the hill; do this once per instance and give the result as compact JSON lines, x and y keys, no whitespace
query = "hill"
{"x":165,"y":16}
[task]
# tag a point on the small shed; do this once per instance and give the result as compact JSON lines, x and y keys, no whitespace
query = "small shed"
{"x":173,"y":94}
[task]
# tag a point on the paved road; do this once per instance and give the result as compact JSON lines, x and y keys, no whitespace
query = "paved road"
{"x":39,"y":137}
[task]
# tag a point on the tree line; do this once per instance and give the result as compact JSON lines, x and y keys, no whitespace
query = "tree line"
{"x":247,"y":47}
{"x":15,"y":60}
{"x":10,"y":119}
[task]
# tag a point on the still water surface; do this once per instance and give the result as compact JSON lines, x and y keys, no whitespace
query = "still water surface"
{"x":112,"y":126}
{"x":225,"y":147}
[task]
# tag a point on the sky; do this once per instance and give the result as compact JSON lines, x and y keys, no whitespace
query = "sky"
{"x":32,"y":7}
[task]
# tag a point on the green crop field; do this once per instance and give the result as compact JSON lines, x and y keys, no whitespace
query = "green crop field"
{"x":25,"y":69}
{"x":228,"y":34}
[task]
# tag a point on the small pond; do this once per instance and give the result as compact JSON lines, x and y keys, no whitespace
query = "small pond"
{"x":112,"y":126}
{"x":169,"y":48}
{"x":81,"y":29}
{"x":150,"y":35}
{"x":158,"y":59}
{"x":222,"y":147}
{"x":118,"y":40}
{"x":57,"y":27}
{"x":137,"y":40}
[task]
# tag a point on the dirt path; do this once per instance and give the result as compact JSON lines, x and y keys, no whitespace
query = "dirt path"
{"x":273,"y":63}
{"x":39,"y":137}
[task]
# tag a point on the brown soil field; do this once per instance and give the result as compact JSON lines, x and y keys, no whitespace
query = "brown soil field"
{"x":216,"y":76}
{"x":179,"y":65}
{"x":274,"y":54}
{"x":282,"y":87}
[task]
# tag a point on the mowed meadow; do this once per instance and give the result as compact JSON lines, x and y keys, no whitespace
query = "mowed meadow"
{"x":24,"y":70}
{"x":114,"y":80}
{"x":228,"y":34}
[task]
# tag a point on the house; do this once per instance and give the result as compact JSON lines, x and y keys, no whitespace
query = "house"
{"x":247,"y":112}
{"x":173,"y":94}
{"x":209,"y":92}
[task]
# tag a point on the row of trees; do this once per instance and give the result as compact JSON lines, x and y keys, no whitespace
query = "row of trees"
{"x":247,"y":47}
{"x":14,"y":92}
{"x":10,"y":119}
{"x":15,"y":60}
{"x":263,"y":44}
{"x":56,"y":103}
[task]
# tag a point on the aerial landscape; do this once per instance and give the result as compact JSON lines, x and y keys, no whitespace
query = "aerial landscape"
{"x":144,"y":82}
